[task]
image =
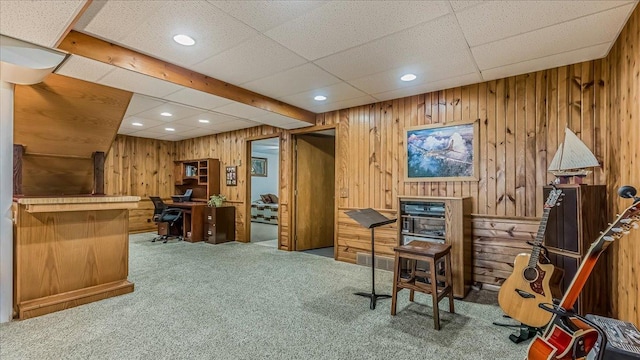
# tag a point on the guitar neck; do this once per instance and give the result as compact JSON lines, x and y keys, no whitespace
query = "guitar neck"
{"x":535,"y":252}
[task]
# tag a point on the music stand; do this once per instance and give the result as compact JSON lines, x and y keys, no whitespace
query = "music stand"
{"x":370,"y":219}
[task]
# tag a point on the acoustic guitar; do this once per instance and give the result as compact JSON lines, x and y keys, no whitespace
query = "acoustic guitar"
{"x":530,"y":282}
{"x":569,"y":336}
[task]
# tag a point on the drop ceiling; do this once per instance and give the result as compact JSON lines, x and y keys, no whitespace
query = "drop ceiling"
{"x":353,"y":52}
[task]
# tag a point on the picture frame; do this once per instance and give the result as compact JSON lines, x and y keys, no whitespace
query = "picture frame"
{"x":442,"y":152}
{"x":258,"y":166}
{"x":232,"y":175}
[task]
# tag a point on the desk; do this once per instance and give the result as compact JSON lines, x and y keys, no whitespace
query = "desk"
{"x":193,"y":219}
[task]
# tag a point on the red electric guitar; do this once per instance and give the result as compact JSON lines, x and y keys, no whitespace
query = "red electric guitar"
{"x":568,"y":336}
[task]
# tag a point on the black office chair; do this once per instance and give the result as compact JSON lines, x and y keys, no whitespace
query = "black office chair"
{"x":172,"y":216}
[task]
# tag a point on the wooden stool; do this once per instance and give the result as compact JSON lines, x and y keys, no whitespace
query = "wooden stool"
{"x":425,"y":281}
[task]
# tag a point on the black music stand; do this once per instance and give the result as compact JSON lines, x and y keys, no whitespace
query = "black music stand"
{"x":370,"y":219}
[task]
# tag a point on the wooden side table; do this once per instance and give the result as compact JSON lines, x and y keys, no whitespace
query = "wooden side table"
{"x":424,"y":280}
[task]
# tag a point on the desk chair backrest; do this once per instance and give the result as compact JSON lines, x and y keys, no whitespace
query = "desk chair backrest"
{"x":158,"y":207}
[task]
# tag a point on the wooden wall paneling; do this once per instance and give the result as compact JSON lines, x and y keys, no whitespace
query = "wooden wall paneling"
{"x":587,"y":122}
{"x":520,"y":132}
{"x":481,"y":198}
{"x":54,"y":175}
{"x":496,"y":242}
{"x":530,"y":155}
{"x":500,"y":146}
{"x":542,"y":127}
{"x":492,"y":148}
{"x":623,"y":63}
{"x":510,"y":151}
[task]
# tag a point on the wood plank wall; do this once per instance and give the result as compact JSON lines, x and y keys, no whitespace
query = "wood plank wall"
{"x":141,"y":167}
{"x":624,"y":158}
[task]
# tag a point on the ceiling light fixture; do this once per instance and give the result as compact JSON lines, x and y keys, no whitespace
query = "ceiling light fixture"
{"x":166,"y":114}
{"x":408,"y":77}
{"x":137,"y":124}
{"x":170,"y":129}
{"x":184,"y":40}
{"x":320,"y":98}
{"x":203,"y":121}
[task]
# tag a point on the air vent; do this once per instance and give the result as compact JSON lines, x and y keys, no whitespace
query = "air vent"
{"x":382,"y":262}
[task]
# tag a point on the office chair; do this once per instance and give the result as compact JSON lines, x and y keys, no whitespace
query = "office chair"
{"x":162,"y":213}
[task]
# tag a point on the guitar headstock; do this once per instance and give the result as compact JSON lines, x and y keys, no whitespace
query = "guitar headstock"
{"x":554,"y":198}
{"x":624,"y":223}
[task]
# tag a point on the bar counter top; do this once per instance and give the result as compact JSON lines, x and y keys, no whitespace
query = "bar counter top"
{"x":76,"y":203}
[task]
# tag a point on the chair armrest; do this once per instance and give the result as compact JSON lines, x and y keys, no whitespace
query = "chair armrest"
{"x":171,"y":211}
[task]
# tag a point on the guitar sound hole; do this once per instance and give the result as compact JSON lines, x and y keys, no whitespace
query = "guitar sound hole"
{"x":530,"y":274}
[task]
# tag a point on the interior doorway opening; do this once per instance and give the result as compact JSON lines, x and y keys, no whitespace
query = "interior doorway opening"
{"x":314,"y":192}
{"x":263,"y":191}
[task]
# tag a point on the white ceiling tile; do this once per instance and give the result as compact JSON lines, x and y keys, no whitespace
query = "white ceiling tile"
{"x":197,"y":98}
{"x":251,"y":60}
{"x":299,"y":79}
{"x":138,"y":83}
{"x":510,"y":18}
{"x":214,"y":119}
{"x":175,"y":137}
{"x":334,"y":93}
{"x":548,"y":62}
{"x":178,"y":112}
{"x":344,"y":104}
{"x":140,"y":103}
{"x":339,"y":25}
{"x":98,"y":19}
{"x":295,"y":125}
{"x":126,"y":131}
{"x":273,"y":119}
{"x":240,"y":110}
{"x":40,"y":22}
{"x":440,"y":42}
{"x":264,"y":15}
{"x":146,"y":123}
{"x":458,"y":5}
{"x":213,"y":30}
{"x":198,"y":132}
{"x":160,"y":129}
{"x":467,"y":79}
{"x":583,"y":32}
{"x":236,"y":125}
{"x":84,"y":69}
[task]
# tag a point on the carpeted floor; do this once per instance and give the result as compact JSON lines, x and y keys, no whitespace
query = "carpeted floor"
{"x":245,"y":301}
{"x":263,"y":232}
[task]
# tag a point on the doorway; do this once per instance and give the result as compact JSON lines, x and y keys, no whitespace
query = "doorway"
{"x":263,"y":191}
{"x":314,"y":192}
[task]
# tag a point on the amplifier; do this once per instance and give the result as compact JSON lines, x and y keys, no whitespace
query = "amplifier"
{"x":623,"y":339}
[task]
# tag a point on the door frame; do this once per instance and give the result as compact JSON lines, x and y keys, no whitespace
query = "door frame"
{"x":247,"y":191}
{"x":292,"y":188}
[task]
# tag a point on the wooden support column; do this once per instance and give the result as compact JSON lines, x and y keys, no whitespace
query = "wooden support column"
{"x":98,"y":173}
{"x":18,"y":153}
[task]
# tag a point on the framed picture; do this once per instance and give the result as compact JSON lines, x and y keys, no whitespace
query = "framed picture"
{"x":231,"y":173}
{"x":258,"y":166}
{"x":440,"y":152}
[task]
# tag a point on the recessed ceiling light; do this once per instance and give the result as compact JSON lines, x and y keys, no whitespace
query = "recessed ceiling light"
{"x":184,"y":40}
{"x":203,"y":121}
{"x":137,"y":124}
{"x":320,"y":98}
{"x":170,"y":129}
{"x":166,"y":114}
{"x":408,"y":77}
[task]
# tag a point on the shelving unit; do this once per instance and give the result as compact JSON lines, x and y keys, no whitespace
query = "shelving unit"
{"x":201,"y":175}
{"x":441,"y":220}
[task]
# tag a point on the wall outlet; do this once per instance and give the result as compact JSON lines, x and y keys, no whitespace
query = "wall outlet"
{"x":344,"y":193}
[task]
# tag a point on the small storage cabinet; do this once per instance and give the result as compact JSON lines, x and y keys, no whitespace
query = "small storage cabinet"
{"x":442,"y":220}
{"x":220,"y":224}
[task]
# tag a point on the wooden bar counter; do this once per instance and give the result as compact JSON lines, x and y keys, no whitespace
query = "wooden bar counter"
{"x":69,"y":251}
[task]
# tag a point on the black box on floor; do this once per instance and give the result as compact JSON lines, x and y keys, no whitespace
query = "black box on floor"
{"x":623,"y":339}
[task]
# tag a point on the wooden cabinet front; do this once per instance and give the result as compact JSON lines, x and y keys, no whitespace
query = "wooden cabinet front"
{"x":220,"y":224}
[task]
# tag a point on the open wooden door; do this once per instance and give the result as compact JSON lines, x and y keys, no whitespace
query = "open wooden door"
{"x":315,"y":190}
